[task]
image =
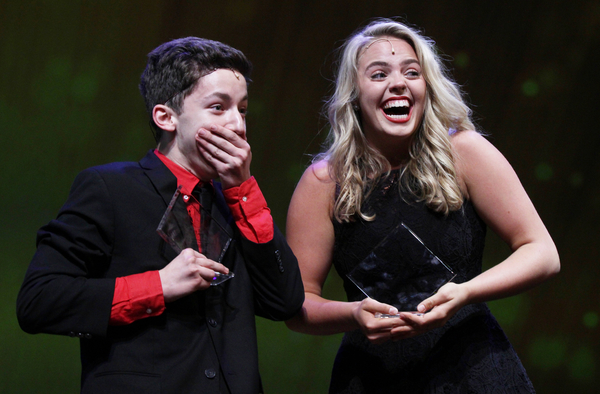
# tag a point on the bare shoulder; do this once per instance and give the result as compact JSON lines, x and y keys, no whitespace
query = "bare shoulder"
{"x":320,"y":171}
{"x":314,"y":193}
{"x":317,"y":181}
{"x":477,"y":161}
{"x":473,"y":151}
{"x":469,"y":142}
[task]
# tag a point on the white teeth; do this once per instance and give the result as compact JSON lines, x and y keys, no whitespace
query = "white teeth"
{"x":398,"y":117}
{"x":396,"y":103}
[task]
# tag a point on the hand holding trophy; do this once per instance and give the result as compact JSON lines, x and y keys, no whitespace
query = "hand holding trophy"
{"x":176,"y":229}
{"x":400,"y":271}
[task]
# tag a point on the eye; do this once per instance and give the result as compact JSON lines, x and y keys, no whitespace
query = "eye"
{"x":217,"y":107}
{"x":378,"y":75}
{"x":243,"y":111}
{"x":413,"y":73}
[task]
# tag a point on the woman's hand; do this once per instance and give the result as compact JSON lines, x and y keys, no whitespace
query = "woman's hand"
{"x":376,"y":329}
{"x":433,"y":312}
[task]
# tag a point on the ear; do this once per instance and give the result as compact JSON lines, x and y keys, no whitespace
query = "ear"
{"x":164,"y":117}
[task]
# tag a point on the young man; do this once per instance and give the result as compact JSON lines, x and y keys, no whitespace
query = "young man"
{"x":147,"y":316}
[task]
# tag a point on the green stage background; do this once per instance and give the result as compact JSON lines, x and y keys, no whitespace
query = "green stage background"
{"x":68,"y":100}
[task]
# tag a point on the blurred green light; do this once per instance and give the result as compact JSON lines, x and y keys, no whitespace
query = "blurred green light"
{"x":84,"y":88}
{"x":582,"y":366}
{"x":508,"y":310}
{"x":576,"y":179}
{"x":543,"y":172}
{"x":530,"y":88}
{"x":547,"y":353}
{"x":51,"y":88}
{"x":462,"y":60}
{"x":295,"y":172}
{"x":591,"y":319}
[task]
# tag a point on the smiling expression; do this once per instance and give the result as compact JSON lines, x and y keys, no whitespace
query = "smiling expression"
{"x":392,"y":94}
{"x":219,"y":98}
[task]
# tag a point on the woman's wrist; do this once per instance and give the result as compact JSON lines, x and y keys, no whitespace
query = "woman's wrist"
{"x":355,"y":313}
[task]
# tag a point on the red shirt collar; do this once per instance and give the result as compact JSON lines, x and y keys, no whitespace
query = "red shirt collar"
{"x":185,"y":179}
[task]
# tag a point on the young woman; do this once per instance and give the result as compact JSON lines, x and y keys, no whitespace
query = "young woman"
{"x":403,"y":149}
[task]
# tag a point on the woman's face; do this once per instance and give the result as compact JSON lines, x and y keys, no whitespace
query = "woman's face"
{"x":391,"y":95}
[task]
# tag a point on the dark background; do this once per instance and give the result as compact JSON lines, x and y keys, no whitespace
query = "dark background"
{"x":68,"y":100}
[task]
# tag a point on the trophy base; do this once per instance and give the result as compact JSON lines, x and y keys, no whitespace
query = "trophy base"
{"x":220,"y":278}
{"x":386,"y":316}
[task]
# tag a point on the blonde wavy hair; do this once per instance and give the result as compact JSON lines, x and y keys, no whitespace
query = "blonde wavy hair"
{"x":429,"y":174}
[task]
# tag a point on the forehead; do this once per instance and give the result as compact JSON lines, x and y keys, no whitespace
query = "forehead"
{"x":389,"y":49}
{"x":224,"y":81}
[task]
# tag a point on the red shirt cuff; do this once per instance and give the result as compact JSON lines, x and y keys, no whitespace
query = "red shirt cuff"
{"x":136,"y":297}
{"x":250,"y":211}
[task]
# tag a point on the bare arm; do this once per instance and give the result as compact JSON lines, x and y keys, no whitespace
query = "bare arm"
{"x":503,"y":204}
{"x":499,"y":198}
{"x":311,"y":237}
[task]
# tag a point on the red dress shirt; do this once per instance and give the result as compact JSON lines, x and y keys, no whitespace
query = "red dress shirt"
{"x":140,"y":295}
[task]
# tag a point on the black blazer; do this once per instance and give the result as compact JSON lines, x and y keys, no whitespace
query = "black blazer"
{"x":107,"y":229}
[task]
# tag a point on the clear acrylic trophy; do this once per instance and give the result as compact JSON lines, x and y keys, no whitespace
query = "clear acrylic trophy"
{"x":176,"y":229}
{"x":401,"y":271}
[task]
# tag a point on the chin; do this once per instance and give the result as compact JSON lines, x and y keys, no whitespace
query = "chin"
{"x":403,"y":133}
{"x":205,"y":172}
{"x":209,"y":175}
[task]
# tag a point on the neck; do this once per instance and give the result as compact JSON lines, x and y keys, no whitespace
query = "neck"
{"x":396,"y":155}
{"x":172,"y":154}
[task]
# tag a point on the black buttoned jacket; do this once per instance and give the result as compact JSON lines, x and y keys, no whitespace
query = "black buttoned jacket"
{"x":107,"y":229}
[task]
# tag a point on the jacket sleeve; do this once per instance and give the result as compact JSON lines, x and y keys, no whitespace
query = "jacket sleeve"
{"x":278,"y":289}
{"x":63,"y":291}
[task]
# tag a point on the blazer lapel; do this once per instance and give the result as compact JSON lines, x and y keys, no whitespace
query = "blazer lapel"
{"x":165,"y":184}
{"x":162,"y":179}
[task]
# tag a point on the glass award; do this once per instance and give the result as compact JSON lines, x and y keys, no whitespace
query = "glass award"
{"x":401,"y":271}
{"x":177,"y":230}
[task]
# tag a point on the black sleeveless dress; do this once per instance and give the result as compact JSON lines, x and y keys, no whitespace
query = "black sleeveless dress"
{"x":470,"y":354}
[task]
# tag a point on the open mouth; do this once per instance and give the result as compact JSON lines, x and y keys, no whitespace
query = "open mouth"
{"x":397,"y":110}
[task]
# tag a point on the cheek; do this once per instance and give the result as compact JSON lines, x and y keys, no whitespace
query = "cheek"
{"x":365,"y":92}
{"x":199,"y":118}
{"x":422,"y":89}
{"x":368,"y":100}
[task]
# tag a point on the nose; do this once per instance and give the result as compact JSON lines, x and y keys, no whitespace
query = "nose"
{"x":236,"y":121}
{"x":397,"y":83}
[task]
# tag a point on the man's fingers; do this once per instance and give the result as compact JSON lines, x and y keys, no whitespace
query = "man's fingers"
{"x":222,"y":138}
{"x":228,"y":134}
{"x":223,"y":151}
{"x":204,"y":262}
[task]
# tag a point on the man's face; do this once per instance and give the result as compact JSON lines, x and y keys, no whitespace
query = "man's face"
{"x":220,"y":98}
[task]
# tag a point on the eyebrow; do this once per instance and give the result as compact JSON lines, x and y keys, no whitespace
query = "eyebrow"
{"x":224,"y":96}
{"x":386,"y":64}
